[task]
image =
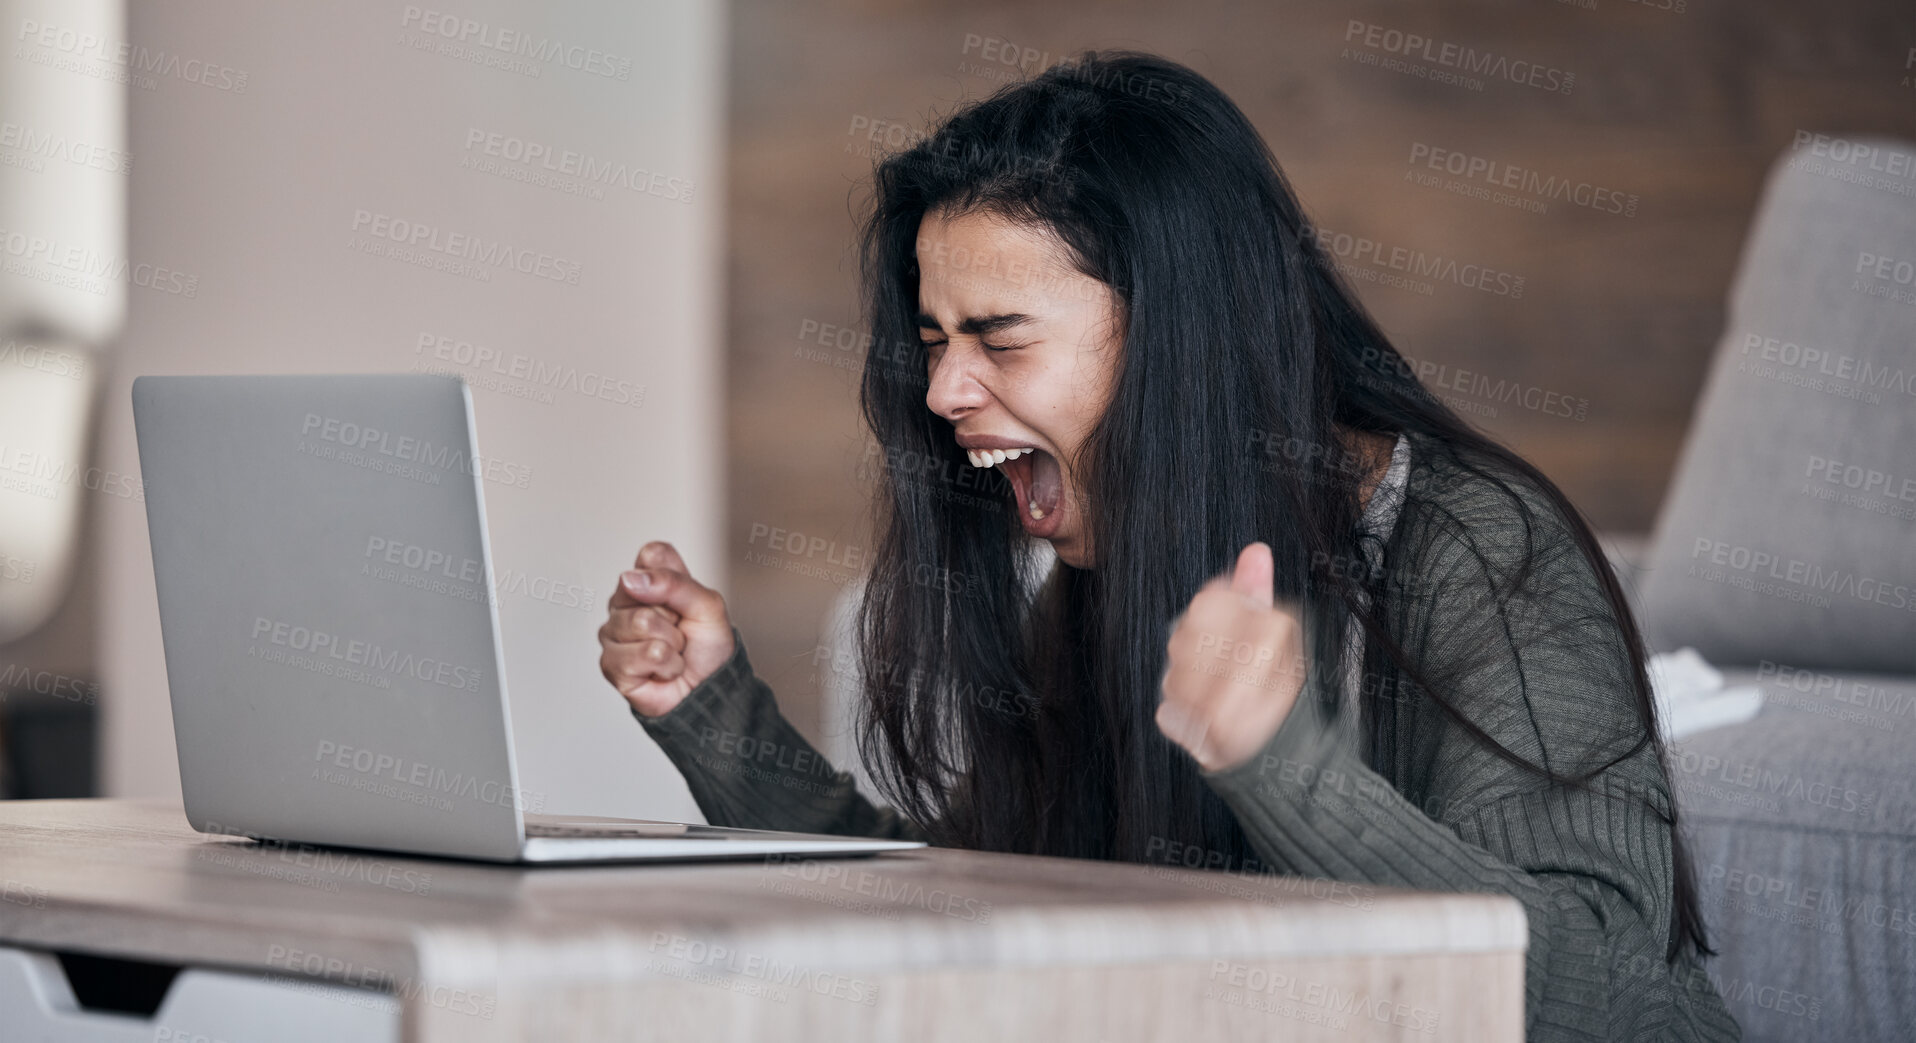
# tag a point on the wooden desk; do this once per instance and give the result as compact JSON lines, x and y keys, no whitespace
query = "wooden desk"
{"x":929,"y":945}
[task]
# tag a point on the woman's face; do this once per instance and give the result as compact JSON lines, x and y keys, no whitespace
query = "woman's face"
{"x":1022,"y":350}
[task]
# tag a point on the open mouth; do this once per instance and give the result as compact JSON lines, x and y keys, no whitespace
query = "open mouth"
{"x":1036,"y":483}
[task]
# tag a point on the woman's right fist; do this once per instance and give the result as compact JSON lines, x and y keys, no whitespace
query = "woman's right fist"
{"x":665,"y":632}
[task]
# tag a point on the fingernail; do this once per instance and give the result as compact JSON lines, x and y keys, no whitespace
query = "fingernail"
{"x":636,"y":580}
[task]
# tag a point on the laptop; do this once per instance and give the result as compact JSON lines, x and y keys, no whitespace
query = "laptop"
{"x":331,"y":630}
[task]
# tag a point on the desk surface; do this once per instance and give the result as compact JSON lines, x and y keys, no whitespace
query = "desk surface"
{"x":133,"y":879}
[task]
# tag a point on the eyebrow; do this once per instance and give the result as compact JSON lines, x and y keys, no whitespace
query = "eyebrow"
{"x":977,"y":325}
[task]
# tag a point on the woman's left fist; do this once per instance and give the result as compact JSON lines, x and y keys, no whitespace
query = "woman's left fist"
{"x":1234,"y":666}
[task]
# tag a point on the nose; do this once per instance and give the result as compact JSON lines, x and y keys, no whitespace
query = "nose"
{"x":955,"y":391}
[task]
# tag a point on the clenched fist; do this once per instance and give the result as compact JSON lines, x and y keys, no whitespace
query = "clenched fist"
{"x":1234,"y":667}
{"x":665,"y":632}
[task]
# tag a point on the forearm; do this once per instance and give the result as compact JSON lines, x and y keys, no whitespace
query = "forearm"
{"x":748,"y":767}
{"x":1310,"y":806}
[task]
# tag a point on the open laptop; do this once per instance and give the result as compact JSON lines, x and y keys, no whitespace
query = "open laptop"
{"x":331,"y":633}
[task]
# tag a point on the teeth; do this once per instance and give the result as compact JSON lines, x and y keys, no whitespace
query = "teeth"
{"x":994,"y":457}
{"x":1037,"y":513}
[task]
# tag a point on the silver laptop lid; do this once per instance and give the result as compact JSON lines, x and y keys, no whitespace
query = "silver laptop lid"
{"x":326,"y":605}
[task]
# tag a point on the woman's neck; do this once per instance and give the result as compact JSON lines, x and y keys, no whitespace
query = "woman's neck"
{"x":1374,"y":450}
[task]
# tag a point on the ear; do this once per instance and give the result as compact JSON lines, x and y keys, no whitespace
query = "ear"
{"x":1255,"y":576}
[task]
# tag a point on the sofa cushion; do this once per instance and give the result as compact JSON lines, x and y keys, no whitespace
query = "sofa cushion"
{"x":1802,"y":828}
{"x":1789,"y":531}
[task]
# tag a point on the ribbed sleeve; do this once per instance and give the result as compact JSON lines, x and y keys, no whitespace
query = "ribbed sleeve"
{"x":1544,"y":672}
{"x":749,"y":768}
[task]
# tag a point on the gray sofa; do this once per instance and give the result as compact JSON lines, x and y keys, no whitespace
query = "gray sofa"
{"x":1785,"y":553}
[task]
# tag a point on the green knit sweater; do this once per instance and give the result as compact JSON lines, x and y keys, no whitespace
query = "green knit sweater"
{"x":1410,"y":799}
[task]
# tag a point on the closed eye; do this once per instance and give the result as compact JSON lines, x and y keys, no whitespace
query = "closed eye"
{"x":975,"y":326}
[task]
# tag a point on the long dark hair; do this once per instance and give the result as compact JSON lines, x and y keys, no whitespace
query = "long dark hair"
{"x":1005,"y":722}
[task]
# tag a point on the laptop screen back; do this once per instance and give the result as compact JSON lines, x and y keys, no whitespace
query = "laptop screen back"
{"x":325,"y":600}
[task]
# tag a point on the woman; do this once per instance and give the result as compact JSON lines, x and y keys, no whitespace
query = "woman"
{"x":1418,"y":672}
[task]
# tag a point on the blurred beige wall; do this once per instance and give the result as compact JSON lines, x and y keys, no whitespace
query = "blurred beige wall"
{"x":1661,"y":115}
{"x":279,"y":194}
